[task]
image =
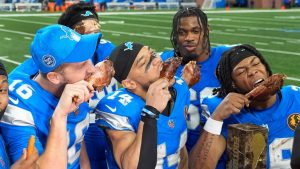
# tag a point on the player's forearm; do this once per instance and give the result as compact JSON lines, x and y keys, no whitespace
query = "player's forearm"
{"x":183,"y":158}
{"x":207,"y":151}
{"x":84,"y":159}
{"x":130,"y":157}
{"x":55,"y":154}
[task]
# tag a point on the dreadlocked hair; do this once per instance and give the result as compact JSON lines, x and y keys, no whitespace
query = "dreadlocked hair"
{"x":66,"y":18}
{"x":202,"y":21}
{"x":225,"y":67}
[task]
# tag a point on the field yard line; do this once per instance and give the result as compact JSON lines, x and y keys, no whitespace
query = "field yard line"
{"x":262,"y":22}
{"x":16,"y":32}
{"x":293,"y":79}
{"x":27,"y":21}
{"x":287,"y":17}
{"x":261,"y":19}
{"x":5,"y":58}
{"x":136,"y":34}
{"x":117,"y":23}
{"x":254,"y":36}
{"x":146,"y":26}
{"x":160,"y":12}
{"x":266,"y":50}
{"x":277,"y":43}
{"x":261,"y":43}
{"x":213,"y":25}
{"x":216,"y":32}
{"x":279,"y":51}
{"x":141,"y":19}
{"x":247,"y":27}
{"x":159,"y":37}
{"x":169,"y":21}
{"x":238,"y":21}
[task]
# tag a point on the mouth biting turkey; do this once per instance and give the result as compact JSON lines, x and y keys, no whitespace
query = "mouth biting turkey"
{"x":101,"y":77}
{"x":267,"y":87}
{"x":169,"y":67}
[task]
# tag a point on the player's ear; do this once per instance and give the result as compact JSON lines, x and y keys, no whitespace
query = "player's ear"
{"x":129,"y":84}
{"x":54,"y":77}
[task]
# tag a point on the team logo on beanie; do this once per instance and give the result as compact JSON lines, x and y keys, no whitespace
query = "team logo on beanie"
{"x":70,"y":34}
{"x":128,"y":45}
{"x":49,"y":60}
{"x":87,"y":13}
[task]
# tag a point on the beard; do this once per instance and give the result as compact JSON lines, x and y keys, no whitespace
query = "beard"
{"x":189,"y":57}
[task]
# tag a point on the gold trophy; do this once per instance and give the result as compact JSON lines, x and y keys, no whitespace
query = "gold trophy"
{"x":247,"y":146}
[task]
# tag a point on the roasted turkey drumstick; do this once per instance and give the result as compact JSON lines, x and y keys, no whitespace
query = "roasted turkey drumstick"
{"x":268,"y":87}
{"x":102,"y":76}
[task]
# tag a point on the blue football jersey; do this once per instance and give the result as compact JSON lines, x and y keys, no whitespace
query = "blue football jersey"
{"x":280,"y":119}
{"x":121,"y":110}
{"x":95,"y":139}
{"x":4,"y":162}
{"x":27,"y":67}
{"x":94,"y":147}
{"x":200,"y":90}
{"x":29,"y":113}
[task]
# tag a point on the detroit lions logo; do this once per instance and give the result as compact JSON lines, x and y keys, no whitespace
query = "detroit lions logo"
{"x":87,"y":13}
{"x":171,"y":123}
{"x":128,"y":45}
{"x":70,"y":34}
{"x":49,"y":60}
{"x":293,"y":120}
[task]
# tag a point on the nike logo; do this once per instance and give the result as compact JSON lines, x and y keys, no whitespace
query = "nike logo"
{"x":14,"y":101}
{"x":111,"y":109}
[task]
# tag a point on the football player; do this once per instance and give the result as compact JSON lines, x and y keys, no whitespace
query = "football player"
{"x":26,"y":162}
{"x":240,"y":70}
{"x":145,"y":129}
{"x":190,"y":40}
{"x":41,"y":104}
{"x":83,"y":18}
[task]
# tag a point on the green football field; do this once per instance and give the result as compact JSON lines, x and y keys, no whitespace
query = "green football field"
{"x":276,"y":33}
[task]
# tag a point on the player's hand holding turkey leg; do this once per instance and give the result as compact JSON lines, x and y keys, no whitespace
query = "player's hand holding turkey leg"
{"x":82,"y":90}
{"x":158,"y":94}
{"x":231,"y":104}
{"x":56,"y":151}
{"x":267,"y":87}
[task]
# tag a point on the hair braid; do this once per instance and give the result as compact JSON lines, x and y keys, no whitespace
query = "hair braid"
{"x":225,"y":67}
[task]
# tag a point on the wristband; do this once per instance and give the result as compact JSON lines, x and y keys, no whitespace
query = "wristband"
{"x":149,"y":111}
{"x":213,"y":126}
{"x":148,"y":151}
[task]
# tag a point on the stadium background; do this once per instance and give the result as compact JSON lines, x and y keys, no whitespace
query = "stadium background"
{"x":276,"y":32}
